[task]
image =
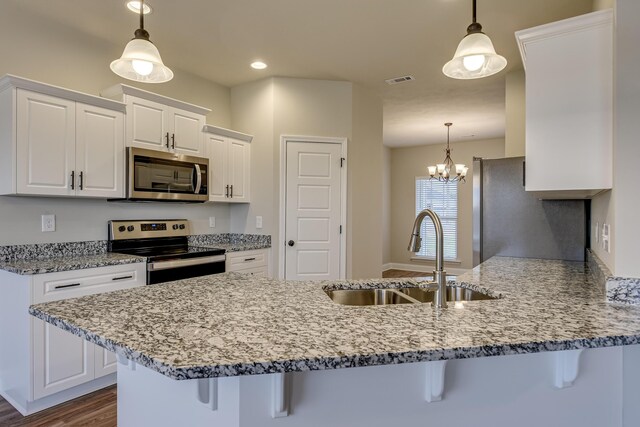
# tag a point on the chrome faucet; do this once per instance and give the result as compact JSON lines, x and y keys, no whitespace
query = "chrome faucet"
{"x":439,"y":275}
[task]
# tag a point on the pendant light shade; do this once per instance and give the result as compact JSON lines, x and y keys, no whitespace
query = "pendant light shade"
{"x":141,"y":60}
{"x":475,"y":57}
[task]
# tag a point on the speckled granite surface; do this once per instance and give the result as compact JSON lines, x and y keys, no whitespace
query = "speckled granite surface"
{"x":52,"y":265}
{"x":232,"y":242}
{"x":623,"y":290}
{"x":233,"y":324}
{"x":53,"y":257}
{"x":52,"y":250}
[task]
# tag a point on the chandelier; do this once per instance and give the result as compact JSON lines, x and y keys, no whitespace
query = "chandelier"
{"x":448,"y":171}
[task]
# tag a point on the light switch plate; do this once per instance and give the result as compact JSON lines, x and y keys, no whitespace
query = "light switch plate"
{"x":606,"y":238}
{"x":258,"y":222}
{"x":48,"y":223}
{"x":597,"y":232}
{"x":212,"y":222}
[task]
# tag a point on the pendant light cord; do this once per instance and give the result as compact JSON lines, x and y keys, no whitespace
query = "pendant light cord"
{"x":474,"y":11}
{"x":142,"y":14}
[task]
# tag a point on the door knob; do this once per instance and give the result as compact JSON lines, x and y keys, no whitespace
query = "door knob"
{"x":291,"y":243}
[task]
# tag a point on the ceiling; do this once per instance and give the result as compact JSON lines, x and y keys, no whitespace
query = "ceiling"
{"x":362,"y":41}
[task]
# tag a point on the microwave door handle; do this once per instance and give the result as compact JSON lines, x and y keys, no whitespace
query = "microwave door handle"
{"x":198,"y":178}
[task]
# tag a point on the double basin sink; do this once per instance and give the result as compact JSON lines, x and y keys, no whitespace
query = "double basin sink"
{"x":412,"y":295}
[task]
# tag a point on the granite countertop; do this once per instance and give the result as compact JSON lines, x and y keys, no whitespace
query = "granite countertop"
{"x":237,"y":247}
{"x":233,"y":324}
{"x":55,"y":264}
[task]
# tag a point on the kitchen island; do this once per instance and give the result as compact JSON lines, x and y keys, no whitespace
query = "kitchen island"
{"x":236,"y":350}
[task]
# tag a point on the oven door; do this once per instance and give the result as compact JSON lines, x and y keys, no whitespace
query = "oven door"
{"x":154,"y":175}
{"x":176,"y":269}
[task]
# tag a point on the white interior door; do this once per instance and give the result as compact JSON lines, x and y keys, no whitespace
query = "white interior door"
{"x":313,"y":211}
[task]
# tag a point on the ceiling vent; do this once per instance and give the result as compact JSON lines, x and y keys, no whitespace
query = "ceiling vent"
{"x":398,"y":80}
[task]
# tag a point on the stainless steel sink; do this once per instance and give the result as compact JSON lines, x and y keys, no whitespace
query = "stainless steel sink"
{"x":402,"y":296}
{"x":368,"y":297}
{"x":454,"y":294}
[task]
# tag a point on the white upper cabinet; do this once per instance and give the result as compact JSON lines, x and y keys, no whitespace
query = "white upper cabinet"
{"x":229,"y":154}
{"x":46,"y":144}
{"x":99,"y":152}
{"x":160,"y":123}
{"x":57,"y":142}
{"x":569,"y":105}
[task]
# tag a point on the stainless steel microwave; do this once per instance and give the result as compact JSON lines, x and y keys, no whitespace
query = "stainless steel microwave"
{"x":159,"y":176}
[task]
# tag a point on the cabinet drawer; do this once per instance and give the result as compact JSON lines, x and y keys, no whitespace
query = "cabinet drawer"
{"x":244,"y":260}
{"x":72,"y":284}
{"x":255,"y":271}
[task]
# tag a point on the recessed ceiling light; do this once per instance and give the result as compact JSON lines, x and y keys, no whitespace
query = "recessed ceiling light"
{"x":134,"y":6}
{"x":258,"y":65}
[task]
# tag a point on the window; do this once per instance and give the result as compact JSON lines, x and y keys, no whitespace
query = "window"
{"x":442,"y":198}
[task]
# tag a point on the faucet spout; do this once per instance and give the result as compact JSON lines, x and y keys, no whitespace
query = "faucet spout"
{"x":439,"y":275}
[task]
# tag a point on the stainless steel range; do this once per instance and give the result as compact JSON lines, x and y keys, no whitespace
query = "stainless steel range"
{"x":165,"y":244}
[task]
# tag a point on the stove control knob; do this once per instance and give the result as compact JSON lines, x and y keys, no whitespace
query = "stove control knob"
{"x":130,"y":228}
{"x":182,"y":227}
{"x":122,"y":228}
{"x":175,"y":226}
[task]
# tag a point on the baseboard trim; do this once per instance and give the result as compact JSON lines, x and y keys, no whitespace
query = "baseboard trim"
{"x":421,"y":268}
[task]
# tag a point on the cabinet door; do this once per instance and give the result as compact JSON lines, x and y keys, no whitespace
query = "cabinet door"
{"x":147,"y":124}
{"x":186,"y":136}
{"x":60,"y":360}
{"x":99,"y":152}
{"x":45,"y":144}
{"x":217,"y":152}
{"x":105,"y":362}
{"x":239,"y":167}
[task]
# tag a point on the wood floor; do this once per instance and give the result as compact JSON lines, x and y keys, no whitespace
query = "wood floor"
{"x":96,"y":409}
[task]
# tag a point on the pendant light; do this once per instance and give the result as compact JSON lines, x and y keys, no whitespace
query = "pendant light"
{"x":475,"y":57}
{"x":141,"y":60}
{"x":444,"y":171}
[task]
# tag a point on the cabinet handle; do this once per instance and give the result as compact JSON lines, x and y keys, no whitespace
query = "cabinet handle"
{"x":73,"y":180}
{"x":167,"y":136}
{"x":249,"y":259}
{"x":72,"y":285}
{"x":122,"y":278}
{"x":173,"y":141}
{"x":231,"y":191}
{"x":225,"y":195}
{"x":81,"y":181}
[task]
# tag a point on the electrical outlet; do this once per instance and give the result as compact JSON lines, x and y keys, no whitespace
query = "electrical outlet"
{"x":212,"y":222}
{"x":48,"y":223}
{"x":258,"y":222}
{"x":606,"y":238}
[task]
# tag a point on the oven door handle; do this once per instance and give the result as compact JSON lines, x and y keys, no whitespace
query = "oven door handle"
{"x":165,"y":265}
{"x":198,"y":178}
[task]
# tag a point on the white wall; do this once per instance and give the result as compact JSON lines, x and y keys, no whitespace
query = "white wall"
{"x":406,"y":165}
{"x":43,"y":50}
{"x":386,"y":205}
{"x":619,"y":207}
{"x":286,"y":106}
{"x":515,"y":114}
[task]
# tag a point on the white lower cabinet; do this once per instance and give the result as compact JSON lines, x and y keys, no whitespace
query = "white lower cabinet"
{"x":42,"y":365}
{"x":255,"y":262}
{"x":61,"y":360}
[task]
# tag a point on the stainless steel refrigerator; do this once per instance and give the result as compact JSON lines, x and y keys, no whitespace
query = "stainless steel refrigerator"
{"x":508,"y":221}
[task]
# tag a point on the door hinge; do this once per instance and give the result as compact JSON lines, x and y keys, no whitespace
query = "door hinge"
{"x":342,"y":159}
{"x":340,"y":229}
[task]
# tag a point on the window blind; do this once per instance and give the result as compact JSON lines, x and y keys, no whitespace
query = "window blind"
{"x":442,"y":198}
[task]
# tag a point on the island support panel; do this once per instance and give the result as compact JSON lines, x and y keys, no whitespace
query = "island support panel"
{"x":498,"y":391}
